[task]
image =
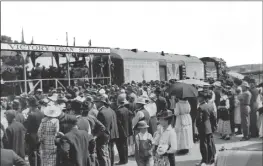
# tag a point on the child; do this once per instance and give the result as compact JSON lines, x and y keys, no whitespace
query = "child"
{"x":143,"y":145}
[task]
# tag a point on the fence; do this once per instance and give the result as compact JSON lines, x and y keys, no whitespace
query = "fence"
{"x":18,"y":86}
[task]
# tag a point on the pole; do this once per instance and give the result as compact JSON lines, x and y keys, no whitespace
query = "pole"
{"x":109,"y":60}
{"x":67,"y":57}
{"x":91,"y":67}
{"x":24,"y":54}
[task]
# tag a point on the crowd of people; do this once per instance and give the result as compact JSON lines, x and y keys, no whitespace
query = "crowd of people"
{"x":80,"y":125}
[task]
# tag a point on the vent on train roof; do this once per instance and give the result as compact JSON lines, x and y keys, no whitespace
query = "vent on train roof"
{"x":134,"y":50}
{"x":117,"y":48}
{"x":162,"y":53}
{"x":145,"y":51}
{"x":187,"y":55}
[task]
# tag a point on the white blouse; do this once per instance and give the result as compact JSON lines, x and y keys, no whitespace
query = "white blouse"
{"x":168,"y":137}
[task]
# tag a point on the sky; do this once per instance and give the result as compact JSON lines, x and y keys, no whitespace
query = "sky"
{"x":228,"y":30}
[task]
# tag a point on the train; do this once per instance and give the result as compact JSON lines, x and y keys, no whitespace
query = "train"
{"x":128,"y":65}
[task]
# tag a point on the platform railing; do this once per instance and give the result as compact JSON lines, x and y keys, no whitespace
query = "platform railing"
{"x":34,"y":83}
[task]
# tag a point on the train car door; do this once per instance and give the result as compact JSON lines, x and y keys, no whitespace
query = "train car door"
{"x":163,"y":73}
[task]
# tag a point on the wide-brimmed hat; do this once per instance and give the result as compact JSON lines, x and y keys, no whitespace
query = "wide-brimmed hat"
{"x":141,"y":100}
{"x":122,"y":99}
{"x":142,"y":125}
{"x":245,"y":84}
{"x":39,"y":90}
{"x":165,"y":114}
{"x":52,"y":111}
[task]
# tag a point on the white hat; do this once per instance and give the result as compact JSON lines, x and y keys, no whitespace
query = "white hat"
{"x":52,"y":111}
{"x":245,"y":84}
{"x":217,"y":83}
{"x":102,"y":92}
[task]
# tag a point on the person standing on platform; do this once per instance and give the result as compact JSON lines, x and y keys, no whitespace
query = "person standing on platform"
{"x":125,"y":129}
{"x":206,"y":125}
{"x":245,"y":111}
{"x":15,"y":133}
{"x":254,"y":105}
{"x":105,"y":143}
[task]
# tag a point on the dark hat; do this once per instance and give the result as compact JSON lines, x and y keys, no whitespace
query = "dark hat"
{"x":165,"y":114}
{"x":101,"y":98}
{"x":59,"y":88}
{"x":202,"y":94}
{"x":32,"y":101}
{"x":11,"y":113}
{"x":72,"y":120}
{"x":158,"y":90}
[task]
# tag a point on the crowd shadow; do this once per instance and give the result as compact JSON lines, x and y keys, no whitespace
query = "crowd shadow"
{"x":234,"y":139}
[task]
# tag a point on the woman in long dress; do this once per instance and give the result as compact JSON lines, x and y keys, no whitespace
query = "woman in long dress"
{"x":48,"y":129}
{"x":224,"y":119}
{"x":237,"y":113}
{"x":183,"y":126}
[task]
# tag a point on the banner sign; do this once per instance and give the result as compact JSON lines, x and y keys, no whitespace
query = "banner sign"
{"x":172,"y":71}
{"x":53,"y":48}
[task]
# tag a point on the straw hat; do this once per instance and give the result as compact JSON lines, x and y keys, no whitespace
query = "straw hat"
{"x":122,"y":99}
{"x":52,"y":111}
{"x":245,"y":84}
{"x":142,"y":125}
{"x":141,"y":100}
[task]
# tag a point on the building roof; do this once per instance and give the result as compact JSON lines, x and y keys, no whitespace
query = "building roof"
{"x":143,"y":55}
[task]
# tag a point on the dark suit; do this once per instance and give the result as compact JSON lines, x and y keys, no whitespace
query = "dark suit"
{"x":206,"y":125}
{"x":83,"y":124}
{"x":108,"y":118}
{"x":16,"y":138}
{"x":76,"y":148}
{"x":10,"y":158}
{"x":125,"y":130}
{"x":161,"y":104}
{"x":97,"y":128}
{"x":63,"y":122}
{"x":32,"y":124}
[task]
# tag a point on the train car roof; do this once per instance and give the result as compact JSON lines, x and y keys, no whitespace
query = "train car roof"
{"x":144,"y":55}
{"x":214,"y":59}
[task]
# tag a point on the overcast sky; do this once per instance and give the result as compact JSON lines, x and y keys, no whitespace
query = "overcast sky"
{"x":230,"y":30}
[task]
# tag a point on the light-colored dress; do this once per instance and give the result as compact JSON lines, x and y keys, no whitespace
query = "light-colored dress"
{"x":237,"y":113}
{"x":47,"y":131}
{"x":183,"y":126}
{"x":162,"y":138}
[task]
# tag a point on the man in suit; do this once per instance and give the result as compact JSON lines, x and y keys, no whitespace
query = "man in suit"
{"x":160,"y":101}
{"x":77,"y":146}
{"x":108,"y":118}
{"x":15,"y":133}
{"x":32,"y":124}
{"x":9,"y":157}
{"x":125,"y":129}
{"x":206,"y":125}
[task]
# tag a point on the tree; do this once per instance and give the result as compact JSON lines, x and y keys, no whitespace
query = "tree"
{"x":6,"y":39}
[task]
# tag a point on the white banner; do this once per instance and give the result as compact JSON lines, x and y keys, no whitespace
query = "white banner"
{"x":52,"y":48}
{"x":172,"y":71}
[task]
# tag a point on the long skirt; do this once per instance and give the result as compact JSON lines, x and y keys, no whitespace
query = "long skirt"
{"x":224,"y":127}
{"x":237,"y":115}
{"x":253,"y":120}
{"x":48,"y":157}
{"x":184,"y":137}
{"x":260,"y":125}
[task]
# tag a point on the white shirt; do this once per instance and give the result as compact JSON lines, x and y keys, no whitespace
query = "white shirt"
{"x":151,"y":108}
{"x":145,"y":136}
{"x":168,"y":137}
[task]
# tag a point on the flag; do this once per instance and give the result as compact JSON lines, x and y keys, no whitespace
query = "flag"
{"x":23,"y":40}
{"x":67,"y":38}
{"x":89,"y":42}
{"x":109,"y":61}
{"x":74,"y":41}
{"x":32,"y":41}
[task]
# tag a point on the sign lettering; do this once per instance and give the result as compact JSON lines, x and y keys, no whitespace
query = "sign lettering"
{"x":50,"y":48}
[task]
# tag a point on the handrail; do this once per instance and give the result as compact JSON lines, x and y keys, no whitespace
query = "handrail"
{"x":45,"y":79}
